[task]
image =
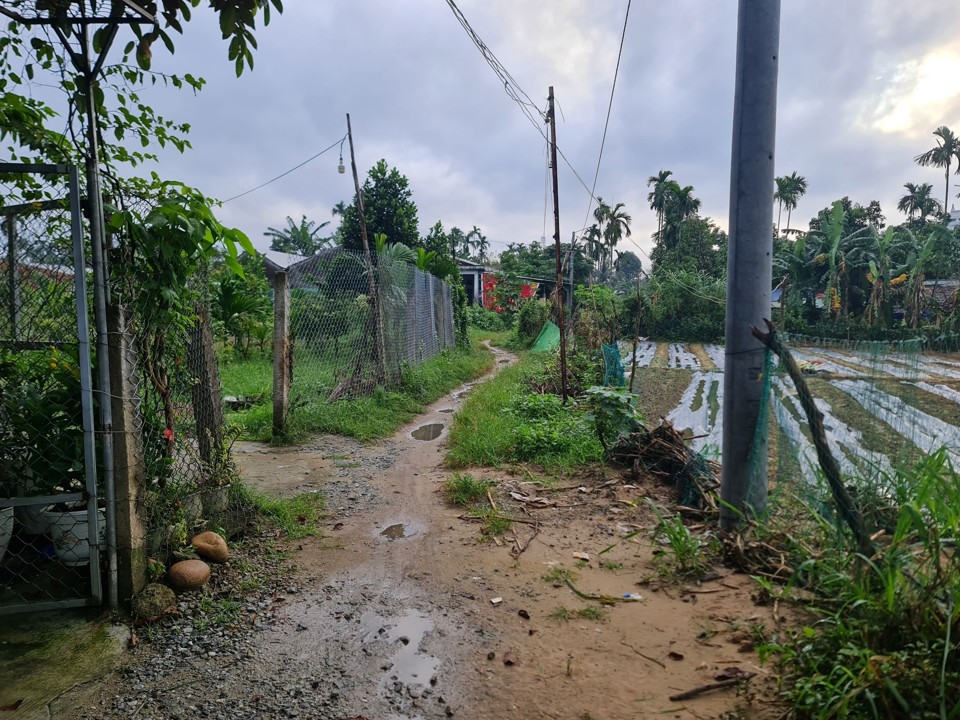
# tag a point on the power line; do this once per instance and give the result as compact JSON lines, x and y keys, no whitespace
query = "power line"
{"x":510,"y":85}
{"x":513,"y":89}
{"x":606,"y":123}
{"x":297,"y":167}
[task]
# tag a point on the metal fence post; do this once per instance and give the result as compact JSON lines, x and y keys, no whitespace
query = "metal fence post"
{"x":281,"y":350}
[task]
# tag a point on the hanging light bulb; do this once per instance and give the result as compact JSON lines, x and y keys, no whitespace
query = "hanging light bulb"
{"x":340,"y":168}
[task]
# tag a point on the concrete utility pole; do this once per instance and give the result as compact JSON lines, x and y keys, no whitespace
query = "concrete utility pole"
{"x":749,"y":258}
{"x":552,"y":119}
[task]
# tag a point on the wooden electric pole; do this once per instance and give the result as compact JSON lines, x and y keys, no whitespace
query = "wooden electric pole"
{"x":379,"y":344}
{"x":743,"y":482}
{"x":552,"y":119}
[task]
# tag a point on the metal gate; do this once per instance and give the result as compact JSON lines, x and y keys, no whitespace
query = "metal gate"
{"x":51,"y":528}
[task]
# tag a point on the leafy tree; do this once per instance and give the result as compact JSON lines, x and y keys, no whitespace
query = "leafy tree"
{"x":241,"y":306}
{"x":856,"y":216}
{"x":388,"y":207}
{"x":298,"y":238}
{"x":790,"y":188}
{"x":942,"y":156}
{"x":539,"y":261}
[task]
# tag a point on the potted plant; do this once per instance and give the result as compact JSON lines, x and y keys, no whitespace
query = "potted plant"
{"x":41,"y":442}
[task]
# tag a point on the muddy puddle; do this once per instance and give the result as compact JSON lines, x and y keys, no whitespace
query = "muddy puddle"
{"x":430,"y":431}
{"x":408,"y":665}
{"x":398,"y":531}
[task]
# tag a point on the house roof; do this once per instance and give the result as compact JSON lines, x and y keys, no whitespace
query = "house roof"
{"x":282,"y":260}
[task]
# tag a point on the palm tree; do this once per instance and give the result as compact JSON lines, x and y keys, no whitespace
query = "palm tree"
{"x":918,"y":201}
{"x":790,"y":188}
{"x":660,"y":195}
{"x":339,"y":210}
{"x":298,"y":238}
{"x":618,"y":227}
{"x":948,"y":148}
{"x":880,"y":252}
{"x":479,"y":243}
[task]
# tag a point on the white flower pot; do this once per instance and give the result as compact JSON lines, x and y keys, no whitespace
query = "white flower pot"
{"x":6,"y":529}
{"x":70,"y":534}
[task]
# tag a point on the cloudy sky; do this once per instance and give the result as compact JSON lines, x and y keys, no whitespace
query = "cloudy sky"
{"x":863,"y":83}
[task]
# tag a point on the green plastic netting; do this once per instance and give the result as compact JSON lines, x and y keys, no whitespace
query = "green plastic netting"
{"x":613,"y":367}
{"x":548,"y":339}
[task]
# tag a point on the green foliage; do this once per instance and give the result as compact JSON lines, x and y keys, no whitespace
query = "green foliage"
{"x":41,"y":422}
{"x":679,"y":306}
{"x":883,"y":640}
{"x":686,"y":554}
{"x":614,"y":413}
{"x":388,"y":209}
{"x":539,"y":260}
{"x":481,"y":318}
{"x":299,"y":238}
{"x":502,"y":422}
{"x":241,"y":306}
{"x":495,"y":523}
{"x":461,"y":318}
{"x":530,"y":319}
{"x":464,"y":490}
{"x":297,"y":517}
{"x":364,"y":418}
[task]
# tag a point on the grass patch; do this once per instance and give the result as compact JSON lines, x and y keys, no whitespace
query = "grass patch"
{"x":494,"y":524}
{"x":376,"y":416}
{"x":591,"y":612}
{"x":464,"y":490}
{"x":559,"y":574}
{"x":501,"y":422}
{"x":297,"y":517}
{"x":251,"y":377}
{"x":881,"y":638}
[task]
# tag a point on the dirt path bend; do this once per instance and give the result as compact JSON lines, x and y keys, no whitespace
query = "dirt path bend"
{"x":376,"y":607}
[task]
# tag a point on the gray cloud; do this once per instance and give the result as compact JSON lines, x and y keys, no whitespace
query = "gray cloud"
{"x":421,"y":96}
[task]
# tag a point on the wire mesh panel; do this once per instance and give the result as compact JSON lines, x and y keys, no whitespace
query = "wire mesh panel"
{"x":337,"y":327}
{"x":51,"y":526}
{"x":175,"y":388}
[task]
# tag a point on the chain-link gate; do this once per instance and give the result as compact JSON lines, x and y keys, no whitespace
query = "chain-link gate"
{"x":51,"y":525}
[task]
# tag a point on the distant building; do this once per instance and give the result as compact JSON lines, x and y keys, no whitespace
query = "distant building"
{"x":954,"y":218}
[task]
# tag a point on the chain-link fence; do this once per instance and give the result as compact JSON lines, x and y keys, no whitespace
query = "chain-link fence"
{"x":346,"y":341}
{"x":52,"y":525}
{"x":175,"y":385}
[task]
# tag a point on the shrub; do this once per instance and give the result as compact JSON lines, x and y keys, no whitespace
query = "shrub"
{"x":532,"y":316}
{"x":483,"y":319}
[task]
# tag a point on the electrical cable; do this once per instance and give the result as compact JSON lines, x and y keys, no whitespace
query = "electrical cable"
{"x":281,"y":175}
{"x":513,"y":90}
{"x":606,"y":123}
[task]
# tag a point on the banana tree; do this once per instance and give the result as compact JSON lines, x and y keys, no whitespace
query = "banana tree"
{"x":884,"y":272}
{"x":918,"y":263}
{"x":833,"y":254}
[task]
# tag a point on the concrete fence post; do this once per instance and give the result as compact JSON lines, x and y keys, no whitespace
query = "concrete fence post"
{"x":129,"y":467}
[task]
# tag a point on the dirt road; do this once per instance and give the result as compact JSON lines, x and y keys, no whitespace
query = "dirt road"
{"x":400,"y":611}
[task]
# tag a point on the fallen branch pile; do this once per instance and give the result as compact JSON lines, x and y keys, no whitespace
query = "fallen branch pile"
{"x":665,"y":454}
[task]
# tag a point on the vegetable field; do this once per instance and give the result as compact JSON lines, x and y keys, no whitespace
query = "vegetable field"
{"x":880,"y":407}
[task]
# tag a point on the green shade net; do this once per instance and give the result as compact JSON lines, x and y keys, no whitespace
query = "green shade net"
{"x":613,"y":368}
{"x":548,"y":339}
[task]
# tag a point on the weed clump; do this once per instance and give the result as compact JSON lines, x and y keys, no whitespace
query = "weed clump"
{"x":464,"y":490}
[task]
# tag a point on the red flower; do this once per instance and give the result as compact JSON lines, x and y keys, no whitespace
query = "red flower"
{"x":168,"y":434}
